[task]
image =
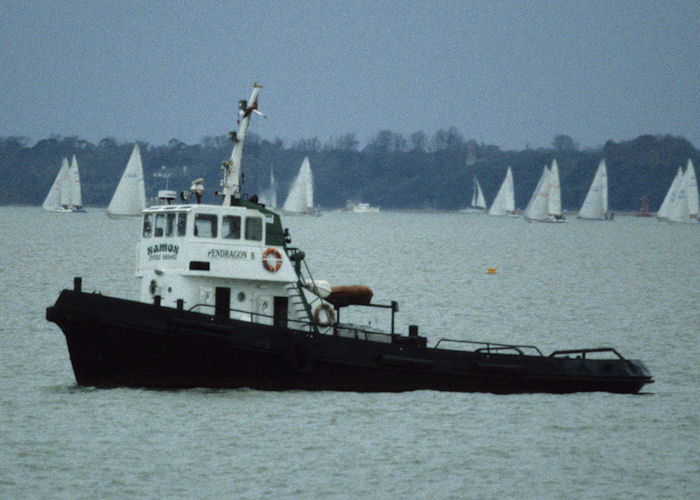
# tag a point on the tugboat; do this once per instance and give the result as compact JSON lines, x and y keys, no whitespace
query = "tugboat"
{"x":227,"y":302}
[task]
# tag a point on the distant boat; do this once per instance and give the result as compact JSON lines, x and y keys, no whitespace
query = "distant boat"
{"x":685,"y":204}
{"x":129,"y":198}
{"x":478,"y":203}
{"x":545,"y":204}
{"x":692,"y":191}
{"x":53,"y":198}
{"x":595,"y":206}
{"x":670,"y":198}
{"x":76,"y":194}
{"x":554,"y":213}
{"x":364,"y":208}
{"x":536,"y":208}
{"x":65,"y":194}
{"x":269,"y":195}
{"x":644,"y":209}
{"x":504,"y":203}
{"x":300,"y":199}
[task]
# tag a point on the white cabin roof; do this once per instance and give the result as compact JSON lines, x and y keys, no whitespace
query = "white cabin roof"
{"x":233,"y":242}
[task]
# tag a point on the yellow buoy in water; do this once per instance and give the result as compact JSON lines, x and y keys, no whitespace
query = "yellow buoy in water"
{"x":491,"y":270}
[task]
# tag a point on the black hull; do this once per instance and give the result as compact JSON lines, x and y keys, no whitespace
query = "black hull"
{"x":117,"y":342}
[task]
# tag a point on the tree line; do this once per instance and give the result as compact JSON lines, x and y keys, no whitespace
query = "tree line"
{"x":391,"y":171}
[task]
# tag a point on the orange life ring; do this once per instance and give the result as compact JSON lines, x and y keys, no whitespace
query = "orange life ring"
{"x":329,"y":313}
{"x":272,"y":260}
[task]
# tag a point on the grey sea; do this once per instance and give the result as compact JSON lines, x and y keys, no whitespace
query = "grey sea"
{"x":632,"y":284}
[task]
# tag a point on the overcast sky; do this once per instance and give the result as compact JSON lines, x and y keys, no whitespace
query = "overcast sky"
{"x":505,"y":73}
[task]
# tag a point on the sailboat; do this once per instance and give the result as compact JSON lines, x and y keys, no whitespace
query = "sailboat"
{"x":545,"y":204}
{"x":129,"y":198}
{"x":65,"y":195}
{"x":536,"y":208}
{"x":300,"y":199}
{"x":478,"y":203}
{"x":53,"y":198}
{"x":692,"y":191}
{"x":76,"y":196}
{"x":554,"y":214}
{"x":595,"y":206}
{"x":504,"y":203}
{"x":269,"y":195}
{"x":670,"y":198}
{"x":644,"y":208}
{"x":685,"y":205}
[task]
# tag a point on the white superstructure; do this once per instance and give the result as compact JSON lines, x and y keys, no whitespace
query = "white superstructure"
{"x":193,"y":252}
{"x":229,"y":260}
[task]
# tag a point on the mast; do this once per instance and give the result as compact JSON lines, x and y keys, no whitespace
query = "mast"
{"x":231,"y":182}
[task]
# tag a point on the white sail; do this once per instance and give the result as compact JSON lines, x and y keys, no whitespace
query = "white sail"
{"x":268,"y":195}
{"x":53,"y":198}
{"x":679,"y":211}
{"x":129,"y":198}
{"x":301,"y":195}
{"x":685,"y":204}
{"x":76,"y":197}
{"x":554,"y":197}
{"x":66,"y":187}
{"x":691,"y":187}
{"x":504,"y":203}
{"x":538,"y":205}
{"x":478,"y":200}
{"x":670,"y":198}
{"x":595,"y":206}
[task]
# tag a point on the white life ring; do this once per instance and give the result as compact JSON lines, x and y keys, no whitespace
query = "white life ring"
{"x":324,"y":314}
{"x":272,"y":260}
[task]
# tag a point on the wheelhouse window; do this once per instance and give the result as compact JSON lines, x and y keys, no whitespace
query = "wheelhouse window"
{"x":160,"y":225}
{"x":170,"y":225}
{"x":181,"y":224}
{"x":253,"y":228}
{"x":231,"y":227}
{"x":205,"y":225}
{"x":148,"y":225}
